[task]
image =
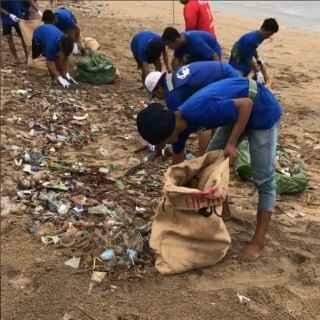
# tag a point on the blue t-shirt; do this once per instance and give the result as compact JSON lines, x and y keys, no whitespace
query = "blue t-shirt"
{"x":200,"y":46}
{"x":214,"y":106}
{"x":48,"y":37}
{"x":65,"y":20}
{"x":244,"y":50}
{"x":16,"y":7}
{"x":187,"y":80}
{"x":140,"y":43}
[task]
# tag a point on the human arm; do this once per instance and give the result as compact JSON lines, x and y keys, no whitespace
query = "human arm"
{"x":244,"y":106}
{"x":144,"y":71}
{"x":166,"y":59}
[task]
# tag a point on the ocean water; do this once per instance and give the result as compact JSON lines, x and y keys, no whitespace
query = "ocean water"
{"x":301,"y":14}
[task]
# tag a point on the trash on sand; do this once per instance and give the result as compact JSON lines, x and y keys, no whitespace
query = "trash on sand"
{"x":243,"y":299}
{"x":140,"y":210}
{"x":47,"y":240}
{"x":57,"y":186}
{"x":74,"y":262}
{"x":77,"y":210}
{"x":101,"y":209}
{"x":120,"y":185}
{"x":107,"y":255}
{"x":79,"y":118}
{"x":132,"y":254}
{"x":98,"y":276}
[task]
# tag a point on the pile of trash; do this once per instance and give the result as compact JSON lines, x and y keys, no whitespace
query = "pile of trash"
{"x":76,"y":208}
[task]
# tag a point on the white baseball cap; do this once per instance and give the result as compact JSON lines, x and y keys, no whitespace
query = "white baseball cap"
{"x":152,"y":80}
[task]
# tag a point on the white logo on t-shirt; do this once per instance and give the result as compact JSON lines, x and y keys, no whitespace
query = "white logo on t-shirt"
{"x":183,"y":72}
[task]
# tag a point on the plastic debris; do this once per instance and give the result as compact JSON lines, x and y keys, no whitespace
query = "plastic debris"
{"x":120,"y":185}
{"x":140,"y":210}
{"x":80,"y":118}
{"x":99,"y":210}
{"x":49,"y":240}
{"x":132,"y":254}
{"x":98,"y":276}
{"x":74,"y":262}
{"x":107,"y":255}
{"x":243,"y":299}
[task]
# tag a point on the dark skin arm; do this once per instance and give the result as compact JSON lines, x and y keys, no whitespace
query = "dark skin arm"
{"x":144,"y":71}
{"x":244,"y":105}
{"x":178,"y":157}
{"x":166,"y":60}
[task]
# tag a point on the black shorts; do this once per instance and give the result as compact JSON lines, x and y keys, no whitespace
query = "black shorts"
{"x":7,"y":29}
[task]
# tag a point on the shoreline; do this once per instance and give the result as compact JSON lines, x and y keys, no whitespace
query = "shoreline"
{"x":289,"y":18}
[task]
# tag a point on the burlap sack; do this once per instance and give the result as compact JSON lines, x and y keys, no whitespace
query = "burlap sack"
{"x":27,"y":27}
{"x":181,"y":237}
{"x":90,"y":43}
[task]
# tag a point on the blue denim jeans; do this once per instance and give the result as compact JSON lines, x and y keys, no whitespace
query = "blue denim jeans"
{"x":262,"y":145}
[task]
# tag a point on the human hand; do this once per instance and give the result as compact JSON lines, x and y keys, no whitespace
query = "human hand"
{"x":14,"y":18}
{"x":70,"y":79}
{"x":76,"y":50}
{"x":65,"y":83}
{"x":230,"y":151}
{"x":260,"y":77}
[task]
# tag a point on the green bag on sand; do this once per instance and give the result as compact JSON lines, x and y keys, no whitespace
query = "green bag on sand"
{"x":289,"y":180}
{"x":95,"y":69}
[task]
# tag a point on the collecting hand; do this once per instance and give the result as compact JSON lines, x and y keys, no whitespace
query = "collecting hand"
{"x":65,"y":83}
{"x":14,"y":18}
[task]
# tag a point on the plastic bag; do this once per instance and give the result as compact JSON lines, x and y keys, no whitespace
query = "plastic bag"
{"x":95,"y":69}
{"x":289,"y":180}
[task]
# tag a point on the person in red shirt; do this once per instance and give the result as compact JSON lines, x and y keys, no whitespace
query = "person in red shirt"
{"x":198,"y":16}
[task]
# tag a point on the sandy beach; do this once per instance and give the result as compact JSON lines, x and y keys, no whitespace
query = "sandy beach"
{"x":283,"y":284}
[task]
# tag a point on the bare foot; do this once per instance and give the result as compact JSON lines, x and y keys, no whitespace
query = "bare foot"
{"x":252,"y":251}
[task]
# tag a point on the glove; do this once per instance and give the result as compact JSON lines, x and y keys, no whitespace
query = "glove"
{"x":75,"y":50}
{"x":14,"y":18}
{"x":260,"y":77}
{"x":70,"y":79}
{"x":65,"y":83}
{"x":260,"y":61}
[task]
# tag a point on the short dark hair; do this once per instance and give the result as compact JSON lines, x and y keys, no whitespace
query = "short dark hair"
{"x":154,"y":50}
{"x":270,"y":25}
{"x":155,"y":123}
{"x":66,"y":45}
{"x":48,"y":16}
{"x":170,"y":34}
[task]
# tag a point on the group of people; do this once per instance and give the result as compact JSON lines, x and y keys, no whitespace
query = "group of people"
{"x":55,"y":39}
{"x":201,"y":93}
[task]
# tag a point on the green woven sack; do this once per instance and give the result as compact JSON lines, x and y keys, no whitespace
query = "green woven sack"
{"x":95,"y":69}
{"x":290,"y":180}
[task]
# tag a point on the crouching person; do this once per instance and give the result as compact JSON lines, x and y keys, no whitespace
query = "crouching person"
{"x":240,"y":108}
{"x":56,"y":47}
{"x":147,"y":48}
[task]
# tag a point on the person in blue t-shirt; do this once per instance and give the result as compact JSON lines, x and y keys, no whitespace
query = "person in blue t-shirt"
{"x":238,"y":107}
{"x":56,"y":47}
{"x":178,"y":86}
{"x":191,"y":46}
{"x":147,"y":48}
{"x":11,"y":12}
{"x":244,"y":56}
{"x":67,"y":23}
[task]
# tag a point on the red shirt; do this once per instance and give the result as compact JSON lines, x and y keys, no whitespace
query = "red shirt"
{"x":198,"y":16}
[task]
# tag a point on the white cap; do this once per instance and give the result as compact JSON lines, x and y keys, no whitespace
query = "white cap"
{"x":152,"y":80}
